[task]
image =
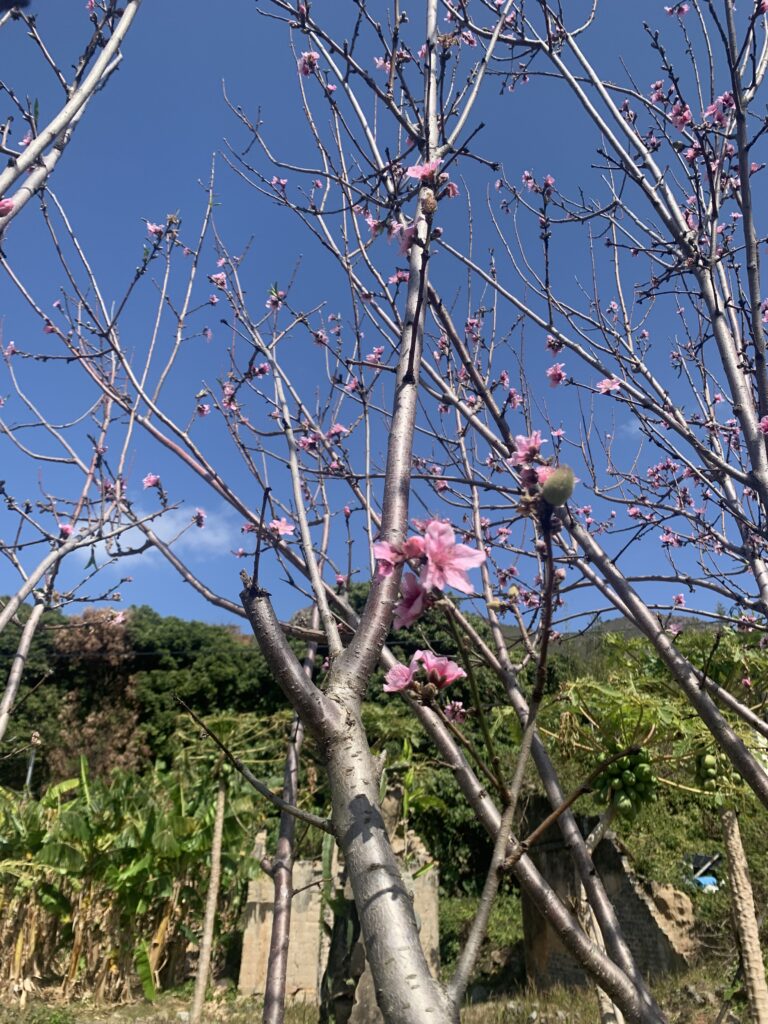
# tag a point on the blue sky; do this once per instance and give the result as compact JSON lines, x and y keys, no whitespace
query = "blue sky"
{"x":145,"y":149}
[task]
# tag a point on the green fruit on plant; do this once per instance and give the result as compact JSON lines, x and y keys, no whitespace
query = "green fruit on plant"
{"x":558,"y":487}
{"x":628,"y":778}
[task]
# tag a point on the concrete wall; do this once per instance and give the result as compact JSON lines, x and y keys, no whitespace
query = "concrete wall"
{"x":657,"y":920}
{"x":309,"y":940}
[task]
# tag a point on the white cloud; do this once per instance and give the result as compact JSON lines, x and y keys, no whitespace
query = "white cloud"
{"x":216,"y":539}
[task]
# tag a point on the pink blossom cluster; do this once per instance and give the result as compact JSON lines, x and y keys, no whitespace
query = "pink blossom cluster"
{"x":439,"y":671}
{"x":720,"y":110}
{"x":556,"y":374}
{"x":445,"y":564}
{"x":533,"y":186}
{"x":281,"y":527}
{"x":425,"y":172}
{"x":446,"y":561}
{"x":680,"y":115}
{"x":307,"y":62}
{"x":527,"y":449}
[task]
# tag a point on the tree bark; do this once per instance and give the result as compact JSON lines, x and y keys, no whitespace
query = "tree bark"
{"x":282,"y":876}
{"x":19,"y":662}
{"x":745,"y":920}
{"x":211,"y":900}
{"x":405,"y":990}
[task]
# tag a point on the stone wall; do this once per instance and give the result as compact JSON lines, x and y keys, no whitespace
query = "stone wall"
{"x":657,"y":920}
{"x":304,"y":950}
{"x":310,"y":930}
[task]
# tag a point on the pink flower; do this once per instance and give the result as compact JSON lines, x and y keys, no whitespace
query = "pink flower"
{"x":447,"y":561}
{"x":155,"y":229}
{"x":543,"y":473}
{"x":399,"y":276}
{"x":451,"y":189}
{"x":387,"y":556}
{"x":441,"y":672}
{"x":151,"y":480}
{"x":279,"y":183}
{"x":199,"y":518}
{"x":66,"y":529}
{"x":382,"y":64}
{"x":282,"y":527}
{"x":455,"y":711}
{"x":220,"y":280}
{"x":6,"y":205}
{"x":414,"y":547}
{"x":556,"y":374}
{"x":527,"y":448}
{"x":203,"y":409}
{"x":337,"y":430}
{"x":607,"y":385}
{"x":669,"y":540}
{"x":423,"y":172}
{"x":399,"y":678}
{"x":679,"y":600}
{"x":680,"y":115}
{"x":275,"y":299}
{"x":412,"y":604}
{"x":762,"y":426}
{"x":307,"y":62}
{"x":405,"y":234}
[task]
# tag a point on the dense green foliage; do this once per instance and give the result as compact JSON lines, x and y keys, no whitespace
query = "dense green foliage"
{"x":132,"y":831}
{"x":104,"y":882}
{"x":97,"y":684}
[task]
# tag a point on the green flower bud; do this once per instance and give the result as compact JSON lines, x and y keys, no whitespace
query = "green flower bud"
{"x":558,"y":486}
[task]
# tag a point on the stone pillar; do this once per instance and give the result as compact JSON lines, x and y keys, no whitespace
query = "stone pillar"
{"x":304,"y":948}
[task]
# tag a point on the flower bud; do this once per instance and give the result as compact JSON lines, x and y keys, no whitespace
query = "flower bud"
{"x":558,"y":487}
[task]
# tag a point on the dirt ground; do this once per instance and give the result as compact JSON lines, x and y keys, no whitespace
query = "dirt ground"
{"x":694,"y":998}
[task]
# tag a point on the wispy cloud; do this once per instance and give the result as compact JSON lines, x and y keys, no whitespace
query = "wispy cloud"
{"x":219,"y":535}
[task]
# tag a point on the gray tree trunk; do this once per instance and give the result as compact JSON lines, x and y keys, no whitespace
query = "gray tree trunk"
{"x":745,"y":920}
{"x":211,"y":900}
{"x":19,"y":663}
{"x":282,"y":876}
